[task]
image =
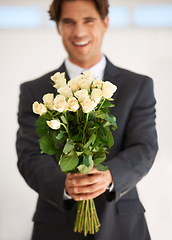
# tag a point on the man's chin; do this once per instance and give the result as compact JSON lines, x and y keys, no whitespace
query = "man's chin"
{"x":79,"y":60}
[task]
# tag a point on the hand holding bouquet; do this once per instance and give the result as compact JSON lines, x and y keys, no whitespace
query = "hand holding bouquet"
{"x":75,"y":126}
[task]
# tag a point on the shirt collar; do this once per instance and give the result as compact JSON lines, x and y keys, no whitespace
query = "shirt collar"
{"x":98,"y":69}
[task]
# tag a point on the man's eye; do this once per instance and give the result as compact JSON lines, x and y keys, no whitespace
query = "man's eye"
{"x":89,"y":21}
{"x":68,"y":21}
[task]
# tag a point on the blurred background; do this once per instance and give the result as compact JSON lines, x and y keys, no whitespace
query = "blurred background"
{"x":139,"y":39}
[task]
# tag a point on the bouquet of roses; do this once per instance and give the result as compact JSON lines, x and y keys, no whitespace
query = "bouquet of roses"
{"x":75,"y":126}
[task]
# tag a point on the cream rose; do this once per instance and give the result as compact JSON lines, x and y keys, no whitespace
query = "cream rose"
{"x":88,"y":75}
{"x":39,"y":108}
{"x":96,"y":95}
{"x":81,"y":94}
{"x":84,"y":84}
{"x":59,"y":80}
{"x":73,"y":104}
{"x":97,"y":84}
{"x":48,"y":100}
{"x":54,"y":124}
{"x":88,"y":105}
{"x":65,"y":91}
{"x":108,"y":89}
{"x":73,"y":83}
{"x":60,"y":103}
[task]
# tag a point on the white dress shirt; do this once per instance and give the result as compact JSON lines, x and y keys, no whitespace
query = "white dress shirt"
{"x":98,"y":69}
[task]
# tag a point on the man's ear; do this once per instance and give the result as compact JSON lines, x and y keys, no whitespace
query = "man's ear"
{"x":58,"y":28}
{"x":106,"y":23}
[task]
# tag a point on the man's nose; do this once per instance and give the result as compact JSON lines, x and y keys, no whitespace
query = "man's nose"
{"x":79,"y":30}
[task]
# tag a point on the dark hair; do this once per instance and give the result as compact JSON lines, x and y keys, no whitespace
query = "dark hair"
{"x":102,"y":7}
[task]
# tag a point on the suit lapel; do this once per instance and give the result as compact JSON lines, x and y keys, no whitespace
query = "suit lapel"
{"x":112,"y":74}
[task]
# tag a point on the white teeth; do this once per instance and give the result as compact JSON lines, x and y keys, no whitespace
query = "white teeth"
{"x":81,"y":43}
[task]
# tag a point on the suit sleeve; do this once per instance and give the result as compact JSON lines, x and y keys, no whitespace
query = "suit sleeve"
{"x":139,"y":146}
{"x":40,"y":171}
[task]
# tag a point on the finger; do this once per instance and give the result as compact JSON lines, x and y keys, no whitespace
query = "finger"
{"x":88,"y":189}
{"x":87,"y":196}
{"x":77,"y":175}
{"x":85,"y":181}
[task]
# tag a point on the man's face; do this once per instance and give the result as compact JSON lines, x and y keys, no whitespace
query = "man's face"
{"x":82,"y":30}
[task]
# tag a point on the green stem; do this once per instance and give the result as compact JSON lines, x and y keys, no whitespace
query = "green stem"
{"x":77,"y":116}
{"x":101,"y":103}
{"x":86,"y":121}
{"x":86,"y":220}
{"x":49,"y":112}
{"x":96,"y":220}
{"x":89,"y":218}
{"x":65,"y":129}
{"x":77,"y":216}
{"x":80,"y":225}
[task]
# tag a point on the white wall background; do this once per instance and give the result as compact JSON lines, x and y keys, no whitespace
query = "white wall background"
{"x":27,"y":54}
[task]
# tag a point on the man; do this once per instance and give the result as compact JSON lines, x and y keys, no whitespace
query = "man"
{"x":82,"y":25}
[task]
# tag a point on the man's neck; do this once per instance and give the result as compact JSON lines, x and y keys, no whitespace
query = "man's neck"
{"x":97,"y":69}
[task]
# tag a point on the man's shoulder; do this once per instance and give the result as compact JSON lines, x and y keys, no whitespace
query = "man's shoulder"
{"x":125,"y":73}
{"x":40,"y":81}
{"x":132,"y":75}
{"x":128,"y":78}
{"x":43,"y":80}
{"x":37,"y":88}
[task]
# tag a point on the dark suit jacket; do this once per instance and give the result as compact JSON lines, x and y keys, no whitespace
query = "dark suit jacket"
{"x":121,"y":213}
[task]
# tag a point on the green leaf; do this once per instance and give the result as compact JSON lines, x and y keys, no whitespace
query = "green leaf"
{"x":46,"y":116}
{"x":102,"y":134}
{"x":87,"y":151}
{"x":69,"y":161}
{"x":41,"y":131}
{"x":110,"y":140}
{"x":86,"y":160}
{"x":102,"y":168}
{"x":41,"y":122}
{"x":106,"y":124}
{"x":110,"y":118}
{"x":69,"y":146}
{"x":42,"y":127}
{"x":60,"y":135}
{"x":63,"y":119}
{"x":84,"y":169}
{"x":91,"y":140}
{"x":100,"y":114}
{"x":99,"y":157}
{"x":47,"y":145}
{"x":105,"y":110}
{"x":91,"y":127}
{"x":92,"y":130}
{"x":96,"y":143}
{"x":115,"y":127}
{"x":107,"y":104}
{"x":77,"y":137}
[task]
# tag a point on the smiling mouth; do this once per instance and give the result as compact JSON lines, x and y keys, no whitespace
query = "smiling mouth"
{"x":83,"y":43}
